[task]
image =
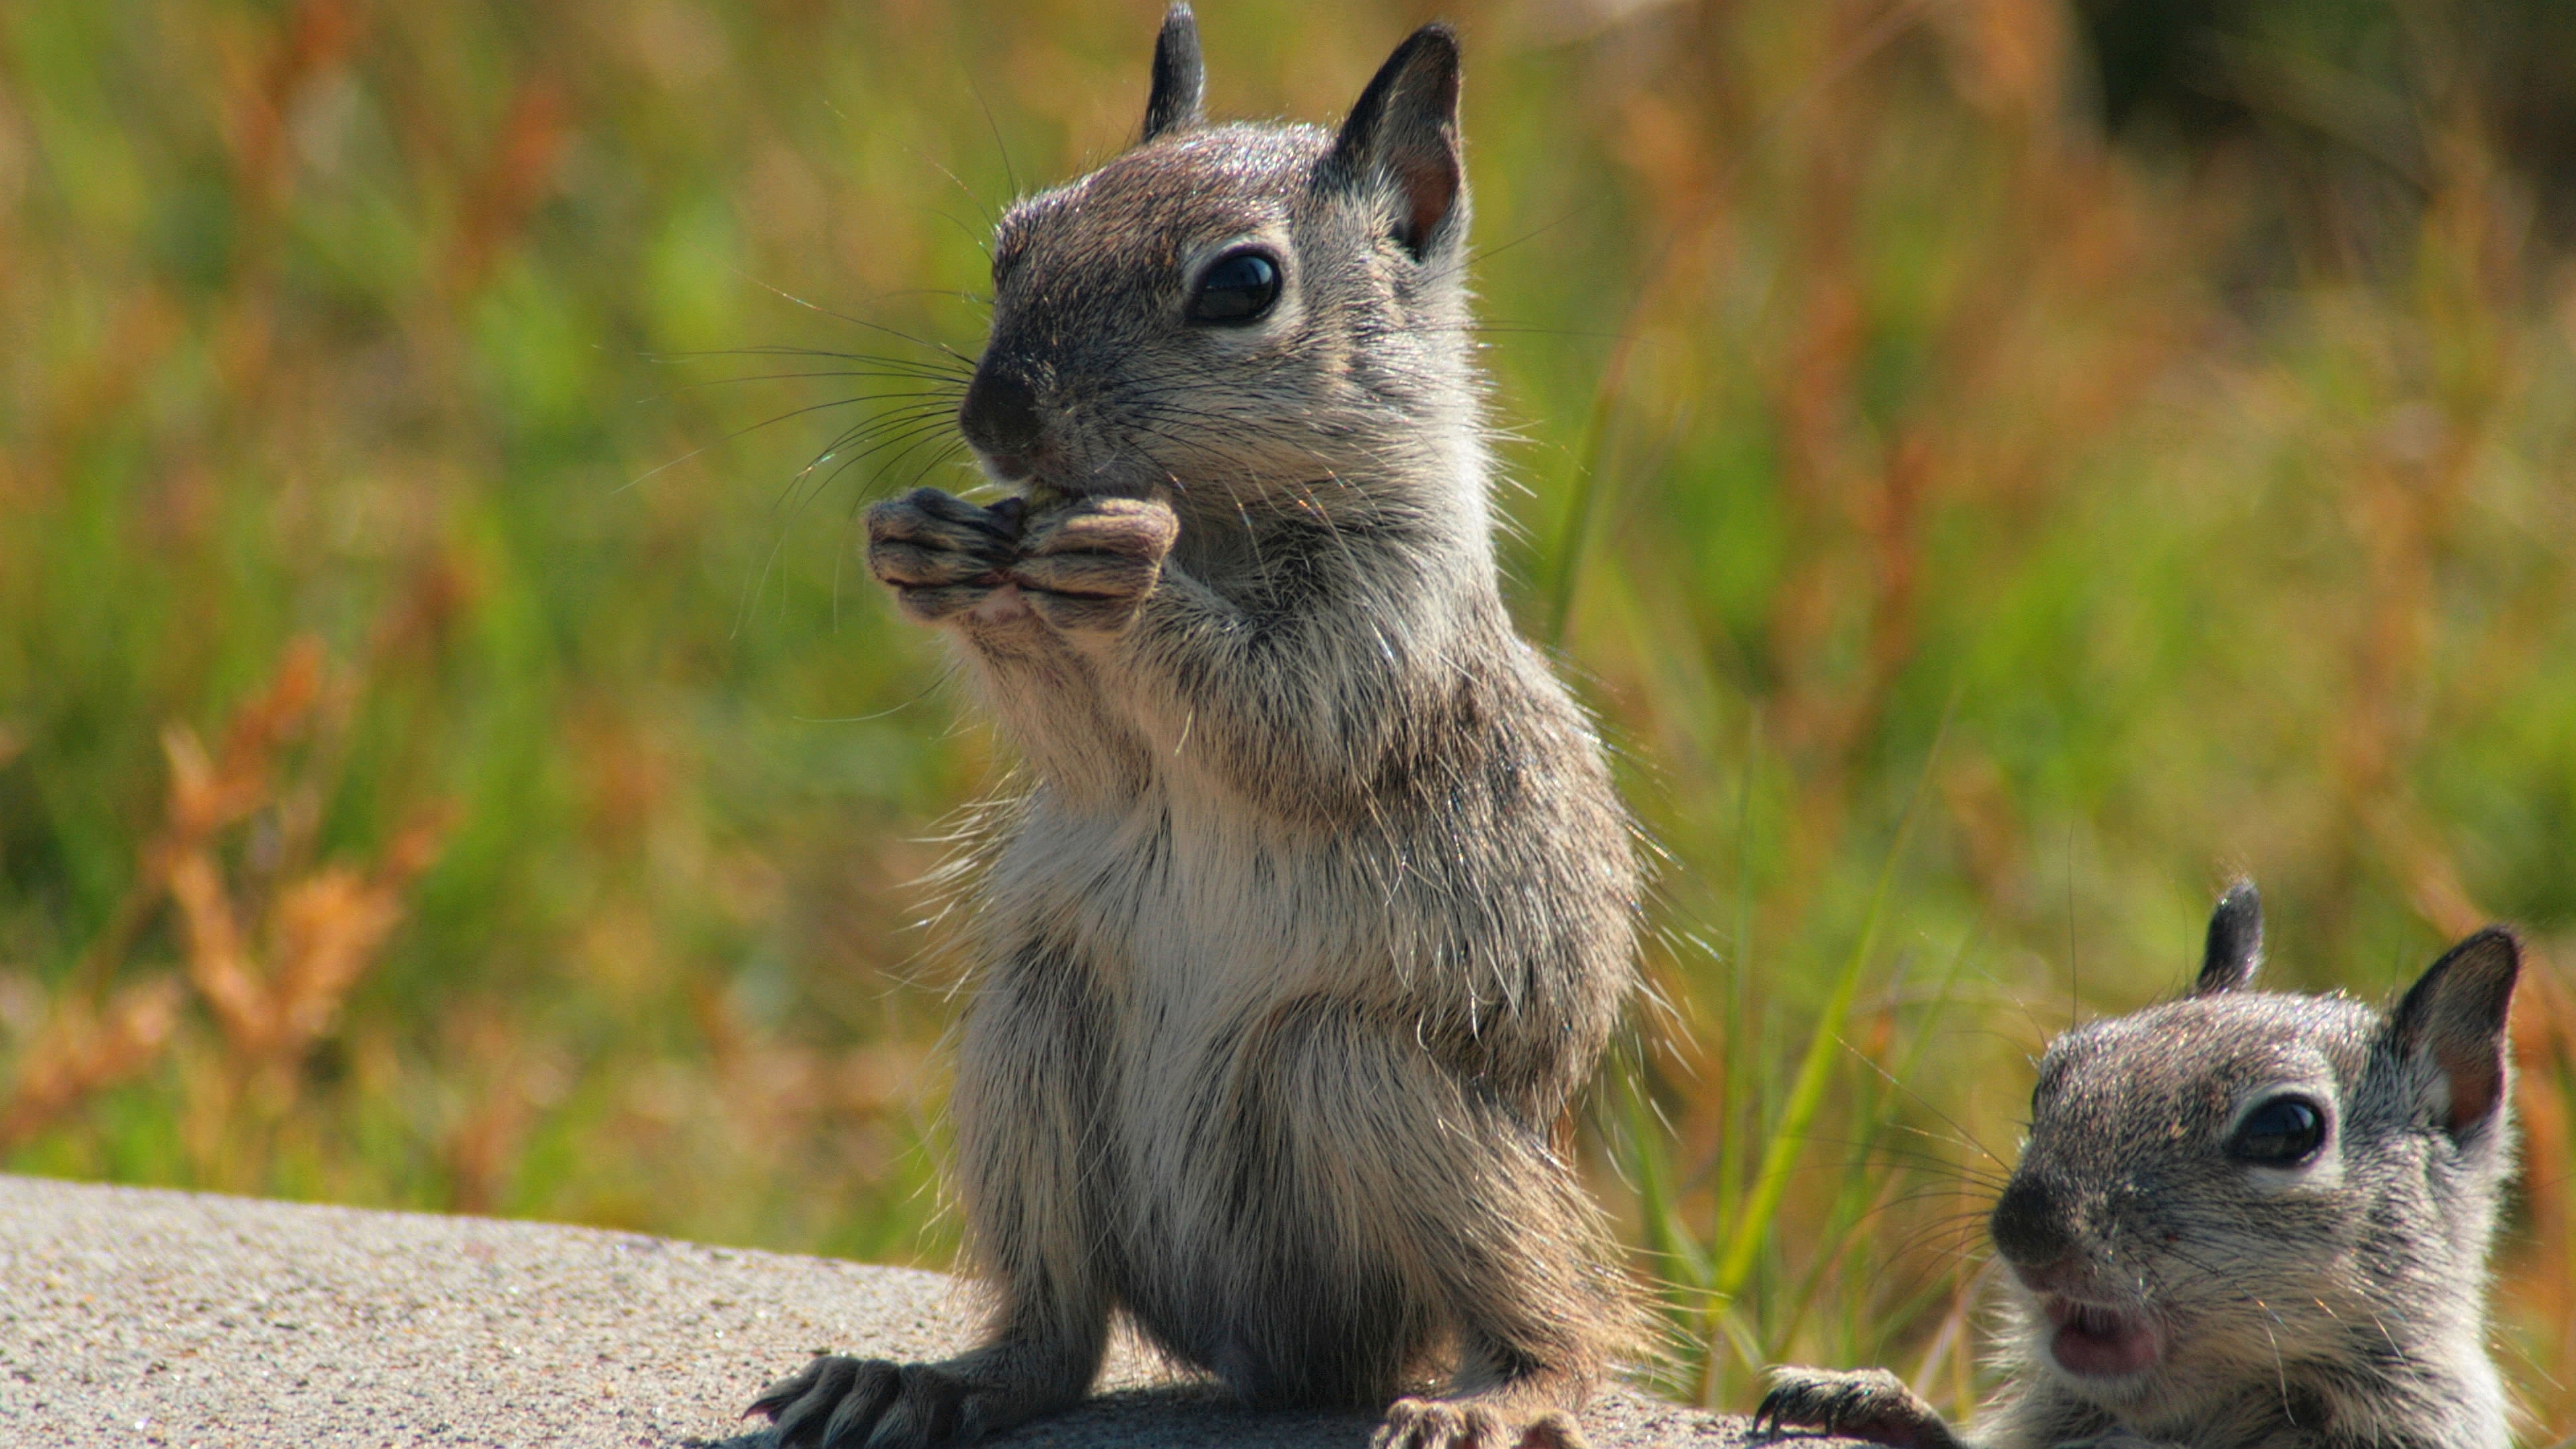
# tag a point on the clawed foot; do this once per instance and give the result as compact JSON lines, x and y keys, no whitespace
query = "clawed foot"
{"x":1467,"y":1424}
{"x":1090,"y":566}
{"x":940,"y":553}
{"x":1870,"y":1404}
{"x":842,"y":1403}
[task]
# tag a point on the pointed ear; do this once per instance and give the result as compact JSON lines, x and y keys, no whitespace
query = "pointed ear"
{"x":1179,"y":78}
{"x":2453,"y":1021}
{"x":2235,"y":941}
{"x":1404,"y":131}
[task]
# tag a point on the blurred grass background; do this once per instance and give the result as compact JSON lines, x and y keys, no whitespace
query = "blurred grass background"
{"x":1998,"y":466}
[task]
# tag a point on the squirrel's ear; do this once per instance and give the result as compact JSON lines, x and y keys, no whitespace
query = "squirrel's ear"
{"x":1404,"y":129}
{"x":2235,"y":941}
{"x":2453,"y":1021}
{"x":1179,"y":78}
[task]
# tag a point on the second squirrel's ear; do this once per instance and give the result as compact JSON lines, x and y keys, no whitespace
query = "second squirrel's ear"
{"x":1404,"y":130}
{"x":2235,"y":941}
{"x":2453,"y":1021}
{"x":1179,"y":77}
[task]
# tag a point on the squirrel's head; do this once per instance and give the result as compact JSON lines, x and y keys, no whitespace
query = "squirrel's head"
{"x":1241,"y":316}
{"x":2224,"y":1186}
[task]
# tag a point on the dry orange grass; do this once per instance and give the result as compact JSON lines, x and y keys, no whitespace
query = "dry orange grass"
{"x":269,"y":960}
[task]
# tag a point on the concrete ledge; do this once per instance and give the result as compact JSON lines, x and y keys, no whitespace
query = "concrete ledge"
{"x":132,"y":1316}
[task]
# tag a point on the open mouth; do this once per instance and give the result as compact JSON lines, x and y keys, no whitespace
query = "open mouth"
{"x":2096,"y":1342}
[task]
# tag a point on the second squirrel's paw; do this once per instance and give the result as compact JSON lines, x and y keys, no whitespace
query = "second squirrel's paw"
{"x":1090,"y":566}
{"x":1467,"y":1424}
{"x":1870,"y":1404}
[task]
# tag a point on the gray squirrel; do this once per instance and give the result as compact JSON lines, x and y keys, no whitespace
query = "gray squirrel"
{"x":2243,"y":1219}
{"x":1316,"y":905}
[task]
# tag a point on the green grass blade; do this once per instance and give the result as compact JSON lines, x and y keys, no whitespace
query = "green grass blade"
{"x":1815,"y":1065}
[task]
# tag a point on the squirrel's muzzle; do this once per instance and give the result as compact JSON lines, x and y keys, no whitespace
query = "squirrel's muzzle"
{"x":1000,"y":417}
{"x":2029,"y":1225}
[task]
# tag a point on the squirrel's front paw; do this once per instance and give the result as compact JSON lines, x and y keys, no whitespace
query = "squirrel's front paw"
{"x":939,"y":552}
{"x":1870,"y":1404}
{"x":1091,"y":566}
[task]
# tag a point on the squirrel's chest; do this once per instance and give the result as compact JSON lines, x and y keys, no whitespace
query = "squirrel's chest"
{"x":1177,"y":907}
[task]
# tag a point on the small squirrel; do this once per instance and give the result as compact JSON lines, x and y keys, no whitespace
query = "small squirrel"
{"x":2242,"y":1219}
{"x":1317,"y":906}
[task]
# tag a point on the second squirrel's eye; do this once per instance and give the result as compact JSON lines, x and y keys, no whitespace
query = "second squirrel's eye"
{"x":1237,"y":289}
{"x":2282,"y":1132}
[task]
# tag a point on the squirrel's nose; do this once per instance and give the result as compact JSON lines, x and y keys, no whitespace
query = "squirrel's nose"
{"x":2029,"y":1224}
{"x":1000,"y":414}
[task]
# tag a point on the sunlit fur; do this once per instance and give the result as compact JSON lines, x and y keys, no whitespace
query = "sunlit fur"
{"x":1317,"y":905}
{"x":2332,"y":1304}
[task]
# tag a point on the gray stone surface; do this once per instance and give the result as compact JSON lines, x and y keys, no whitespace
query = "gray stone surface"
{"x":130,"y":1316}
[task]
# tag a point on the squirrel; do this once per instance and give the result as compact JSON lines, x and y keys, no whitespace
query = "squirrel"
{"x":1317,"y":905}
{"x":2244,"y":1218}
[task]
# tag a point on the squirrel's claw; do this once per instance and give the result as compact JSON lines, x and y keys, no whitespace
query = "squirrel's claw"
{"x":1870,"y":1404}
{"x":837,"y":1402}
{"x":1453,"y":1424}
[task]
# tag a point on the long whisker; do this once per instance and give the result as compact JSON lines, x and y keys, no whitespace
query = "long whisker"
{"x":704,"y":448}
{"x":896,"y":333}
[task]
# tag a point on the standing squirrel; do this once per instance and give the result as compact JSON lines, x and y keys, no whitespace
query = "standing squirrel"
{"x":2245,"y":1219}
{"x":1318,"y":905}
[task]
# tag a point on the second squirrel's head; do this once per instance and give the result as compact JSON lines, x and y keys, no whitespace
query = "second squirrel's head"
{"x":2260,"y":1193}
{"x":1241,"y":315}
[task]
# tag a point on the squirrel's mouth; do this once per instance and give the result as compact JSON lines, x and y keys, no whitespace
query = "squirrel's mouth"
{"x":2095,"y":1342}
{"x":1039,"y":476}
{"x":1008,"y":467}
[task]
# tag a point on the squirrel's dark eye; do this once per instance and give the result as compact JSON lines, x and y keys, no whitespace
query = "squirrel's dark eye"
{"x":2282,"y":1132}
{"x":1238,"y":288}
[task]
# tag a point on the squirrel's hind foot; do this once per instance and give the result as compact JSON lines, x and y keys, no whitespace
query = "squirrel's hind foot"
{"x":1870,"y":1404}
{"x":1470,"y":1424}
{"x":841,"y":1403}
